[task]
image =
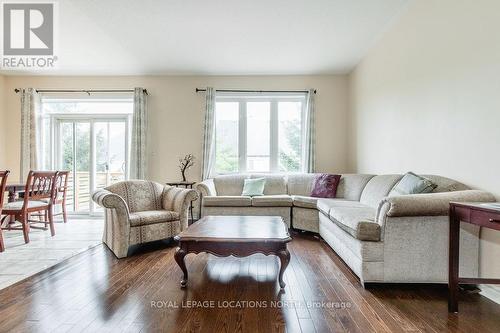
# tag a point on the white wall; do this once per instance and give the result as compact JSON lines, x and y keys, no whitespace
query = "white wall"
{"x":176,"y":114}
{"x":427,"y":98}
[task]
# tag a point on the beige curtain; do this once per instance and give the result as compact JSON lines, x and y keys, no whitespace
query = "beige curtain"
{"x":310,"y":135}
{"x":138,"y":165}
{"x":209,"y":135}
{"x":30,"y":107}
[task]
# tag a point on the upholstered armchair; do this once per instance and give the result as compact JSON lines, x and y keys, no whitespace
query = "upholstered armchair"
{"x":140,"y":211}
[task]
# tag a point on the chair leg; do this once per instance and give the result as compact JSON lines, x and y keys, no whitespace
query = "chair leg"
{"x":65,"y":217}
{"x":2,"y":245}
{"x":26,"y":228}
{"x":51,"y":221}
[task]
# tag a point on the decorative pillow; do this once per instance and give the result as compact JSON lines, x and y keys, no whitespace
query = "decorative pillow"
{"x":254,"y":187}
{"x":412,"y":184}
{"x":325,"y":186}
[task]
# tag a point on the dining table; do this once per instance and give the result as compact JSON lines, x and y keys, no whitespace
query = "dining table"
{"x":13,"y":189}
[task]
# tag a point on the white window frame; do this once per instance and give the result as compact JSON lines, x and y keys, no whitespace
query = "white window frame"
{"x":273,"y":99}
{"x":55,"y":121}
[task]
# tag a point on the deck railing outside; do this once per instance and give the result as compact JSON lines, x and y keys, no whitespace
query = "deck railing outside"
{"x":82,"y":195}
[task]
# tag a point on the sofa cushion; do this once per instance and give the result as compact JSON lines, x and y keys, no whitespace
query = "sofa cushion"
{"x":339,"y":239}
{"x":324,"y":205}
{"x":412,"y":184}
{"x":280,"y":200}
{"x":351,"y":186}
{"x":227,"y":201}
{"x":359,"y":222}
{"x":275,"y":184}
{"x":140,"y":195}
{"x":304,"y":201}
{"x":446,"y":184}
{"x":152,"y":217}
{"x":301,"y":183}
{"x":378,"y":188}
{"x":254,"y":187}
{"x":325,"y":186}
{"x":18,"y":205}
{"x":230,"y":184}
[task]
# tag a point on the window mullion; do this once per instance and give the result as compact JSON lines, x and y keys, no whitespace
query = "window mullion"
{"x":274,"y":130}
{"x":242,"y":138}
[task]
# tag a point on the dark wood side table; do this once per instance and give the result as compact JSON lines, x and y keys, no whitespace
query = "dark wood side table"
{"x":485,"y":215}
{"x":185,"y":184}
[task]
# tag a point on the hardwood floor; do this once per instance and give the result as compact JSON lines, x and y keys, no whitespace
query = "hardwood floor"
{"x":95,"y":292}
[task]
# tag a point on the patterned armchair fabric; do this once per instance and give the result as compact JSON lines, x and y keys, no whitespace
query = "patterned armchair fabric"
{"x":140,"y":211}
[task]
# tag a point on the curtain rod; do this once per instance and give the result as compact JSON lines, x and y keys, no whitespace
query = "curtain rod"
{"x":257,"y":91}
{"x":87,"y":91}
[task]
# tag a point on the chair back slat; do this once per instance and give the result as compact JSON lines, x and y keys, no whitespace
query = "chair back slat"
{"x":3,"y":182}
{"x":62,"y":184}
{"x":40,"y":185}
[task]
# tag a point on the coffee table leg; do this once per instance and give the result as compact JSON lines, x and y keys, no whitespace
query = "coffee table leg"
{"x":179,"y":258}
{"x":284,"y":256}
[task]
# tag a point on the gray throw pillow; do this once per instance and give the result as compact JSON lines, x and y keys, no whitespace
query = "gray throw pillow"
{"x":412,"y":184}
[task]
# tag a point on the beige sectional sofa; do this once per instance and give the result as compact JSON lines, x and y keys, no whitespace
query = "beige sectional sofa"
{"x":382,"y":239}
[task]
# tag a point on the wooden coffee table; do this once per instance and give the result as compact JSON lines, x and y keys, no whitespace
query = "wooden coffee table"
{"x":239,"y":236}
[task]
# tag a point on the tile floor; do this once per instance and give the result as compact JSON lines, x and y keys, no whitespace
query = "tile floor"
{"x":21,"y":260}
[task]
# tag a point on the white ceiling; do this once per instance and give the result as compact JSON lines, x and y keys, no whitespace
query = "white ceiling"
{"x":233,"y":37}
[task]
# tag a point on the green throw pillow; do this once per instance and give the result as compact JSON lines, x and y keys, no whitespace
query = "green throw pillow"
{"x":254,"y":187}
{"x":412,"y":184}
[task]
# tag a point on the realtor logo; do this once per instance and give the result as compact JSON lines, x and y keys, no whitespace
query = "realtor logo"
{"x":28,"y":35}
{"x":28,"y":29}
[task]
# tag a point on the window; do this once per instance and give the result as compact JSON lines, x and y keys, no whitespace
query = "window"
{"x":90,"y":138}
{"x":255,"y":133}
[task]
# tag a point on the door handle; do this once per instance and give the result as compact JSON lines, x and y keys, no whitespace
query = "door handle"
{"x":494,"y":221}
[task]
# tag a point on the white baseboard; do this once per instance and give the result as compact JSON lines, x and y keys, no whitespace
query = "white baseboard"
{"x":491,"y":291}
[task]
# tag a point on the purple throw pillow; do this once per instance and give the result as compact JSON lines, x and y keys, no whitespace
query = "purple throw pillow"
{"x":325,"y":186}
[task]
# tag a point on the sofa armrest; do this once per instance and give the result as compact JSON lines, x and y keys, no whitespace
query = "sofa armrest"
{"x":178,"y":200}
{"x":110,"y":200}
{"x":429,"y":204}
{"x":206,"y":188}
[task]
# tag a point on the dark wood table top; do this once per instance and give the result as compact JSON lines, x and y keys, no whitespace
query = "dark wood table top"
{"x":237,"y":229}
{"x":493,"y":207}
{"x":14,"y":185}
{"x":486,"y":214}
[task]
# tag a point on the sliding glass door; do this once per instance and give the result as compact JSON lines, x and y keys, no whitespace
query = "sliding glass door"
{"x":95,"y":151}
{"x":110,"y":154}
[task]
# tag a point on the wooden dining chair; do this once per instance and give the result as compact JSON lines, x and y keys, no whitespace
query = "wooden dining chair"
{"x":39,"y":196}
{"x":62,"y":189}
{"x":3,"y":182}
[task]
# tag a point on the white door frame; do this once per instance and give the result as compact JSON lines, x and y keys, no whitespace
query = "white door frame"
{"x":58,"y":119}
